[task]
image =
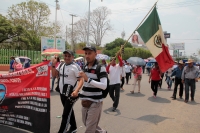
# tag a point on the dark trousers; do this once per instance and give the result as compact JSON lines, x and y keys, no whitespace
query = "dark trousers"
{"x":122,"y":82}
{"x":154,"y":86}
{"x":68,"y":115}
{"x":160,"y":82}
{"x":127,"y":77}
{"x":130,"y":74}
{"x":178,"y":82}
{"x":189,"y":83}
{"x":114,"y":92}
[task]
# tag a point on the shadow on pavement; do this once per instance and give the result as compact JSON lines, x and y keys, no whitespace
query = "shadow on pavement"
{"x":163,"y":89}
{"x":9,"y":129}
{"x":135,"y":94}
{"x":109,"y":110}
{"x":153,"y":118}
{"x":192,"y":103}
{"x":159,"y":100}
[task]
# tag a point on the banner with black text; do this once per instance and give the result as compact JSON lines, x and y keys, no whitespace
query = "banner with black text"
{"x":25,"y":98}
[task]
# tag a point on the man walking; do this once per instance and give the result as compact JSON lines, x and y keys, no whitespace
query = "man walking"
{"x":178,"y":73}
{"x":128,"y":71}
{"x":114,"y":72}
{"x":190,"y":77}
{"x":91,"y":94}
{"x":69,"y":75}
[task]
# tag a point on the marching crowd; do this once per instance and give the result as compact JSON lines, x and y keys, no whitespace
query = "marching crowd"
{"x":92,"y":82}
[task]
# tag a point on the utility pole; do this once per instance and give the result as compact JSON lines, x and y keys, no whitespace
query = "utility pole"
{"x":55,"y":29}
{"x":73,"y":45}
{"x":88,"y":41}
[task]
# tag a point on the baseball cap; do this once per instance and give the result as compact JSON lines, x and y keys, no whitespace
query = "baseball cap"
{"x":90,"y":48}
{"x":69,"y":52}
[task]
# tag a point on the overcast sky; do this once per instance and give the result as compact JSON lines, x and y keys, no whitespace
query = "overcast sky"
{"x":181,"y":18}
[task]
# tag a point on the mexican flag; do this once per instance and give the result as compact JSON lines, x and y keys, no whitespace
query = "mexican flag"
{"x":152,"y":34}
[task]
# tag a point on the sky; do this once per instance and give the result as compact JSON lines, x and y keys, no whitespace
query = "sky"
{"x":180,"y":18}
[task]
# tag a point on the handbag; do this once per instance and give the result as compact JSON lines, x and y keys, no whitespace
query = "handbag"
{"x":86,"y":103}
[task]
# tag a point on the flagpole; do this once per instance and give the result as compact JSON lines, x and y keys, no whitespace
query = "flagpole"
{"x":138,"y":26}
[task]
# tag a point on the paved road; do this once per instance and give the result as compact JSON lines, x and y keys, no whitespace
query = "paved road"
{"x":137,"y":113}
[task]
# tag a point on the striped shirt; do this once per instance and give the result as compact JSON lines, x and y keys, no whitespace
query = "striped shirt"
{"x":89,"y":91}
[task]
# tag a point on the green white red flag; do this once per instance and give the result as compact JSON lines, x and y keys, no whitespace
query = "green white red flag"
{"x":152,"y":34}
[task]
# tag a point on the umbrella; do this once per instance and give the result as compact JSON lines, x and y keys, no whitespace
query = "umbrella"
{"x":23,"y":58}
{"x":51,"y":51}
{"x":152,"y":61}
{"x":102,"y":57}
{"x":136,"y":61}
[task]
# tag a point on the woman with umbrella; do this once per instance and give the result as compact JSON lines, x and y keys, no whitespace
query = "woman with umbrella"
{"x":137,"y":71}
{"x":17,"y":65}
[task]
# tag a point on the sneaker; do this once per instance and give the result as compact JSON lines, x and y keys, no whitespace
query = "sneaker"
{"x":114,"y":109}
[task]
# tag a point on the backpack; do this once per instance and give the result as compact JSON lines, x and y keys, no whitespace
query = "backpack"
{"x":97,"y":71}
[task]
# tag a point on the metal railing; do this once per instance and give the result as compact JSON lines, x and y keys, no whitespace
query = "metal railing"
{"x":5,"y":55}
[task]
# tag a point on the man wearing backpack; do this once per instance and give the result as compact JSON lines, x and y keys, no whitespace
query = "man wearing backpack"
{"x":96,"y":80}
{"x":114,"y":71}
{"x":68,"y":73}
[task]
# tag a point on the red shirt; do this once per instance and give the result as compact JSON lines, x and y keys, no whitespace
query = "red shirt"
{"x":155,"y":74}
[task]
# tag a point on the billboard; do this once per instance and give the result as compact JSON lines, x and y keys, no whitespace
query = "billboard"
{"x":178,"y":46}
{"x":47,"y":42}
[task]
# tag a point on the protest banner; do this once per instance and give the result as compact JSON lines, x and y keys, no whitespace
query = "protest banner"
{"x":25,"y":98}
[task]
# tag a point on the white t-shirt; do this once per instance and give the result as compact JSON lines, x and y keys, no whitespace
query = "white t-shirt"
{"x":128,"y":68}
{"x":169,"y":72}
{"x":122,"y":71}
{"x":71,"y":73}
{"x":114,"y":74}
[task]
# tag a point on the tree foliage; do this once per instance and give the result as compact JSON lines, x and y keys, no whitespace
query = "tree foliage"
{"x":129,"y":51}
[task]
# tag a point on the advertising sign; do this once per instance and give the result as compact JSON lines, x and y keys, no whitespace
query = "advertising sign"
{"x":25,"y":99}
{"x":178,"y":46}
{"x":47,"y":43}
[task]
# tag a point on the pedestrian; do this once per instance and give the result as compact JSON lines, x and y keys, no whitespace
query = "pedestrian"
{"x":160,"y":82}
{"x":190,"y":77}
{"x":154,"y":78}
{"x":68,"y":73}
{"x":17,"y":65}
{"x":12,"y":60}
{"x":104,"y":63}
{"x":123,"y":74}
{"x":55,"y":63}
{"x":148,"y":67}
{"x":178,"y":73}
{"x":137,"y":78}
{"x":113,"y":70}
{"x":91,"y":95}
{"x":169,"y":79}
{"x":128,"y":71}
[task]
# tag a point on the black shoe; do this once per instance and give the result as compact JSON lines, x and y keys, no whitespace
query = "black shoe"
{"x":51,"y":90}
{"x":181,"y":98}
{"x":71,"y":131}
{"x":192,"y":99}
{"x":114,"y":109}
{"x":186,"y":101}
{"x":174,"y":98}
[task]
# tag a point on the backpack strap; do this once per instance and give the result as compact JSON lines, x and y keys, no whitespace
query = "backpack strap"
{"x":97,"y":71}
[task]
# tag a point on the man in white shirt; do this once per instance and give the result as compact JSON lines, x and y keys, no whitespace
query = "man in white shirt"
{"x":114,"y":72}
{"x":128,"y":71}
{"x":69,"y":75}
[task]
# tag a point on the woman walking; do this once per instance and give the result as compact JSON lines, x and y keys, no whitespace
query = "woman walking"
{"x":154,"y":78}
{"x":137,"y":71}
{"x":169,"y":80}
{"x":55,"y":63}
{"x":17,"y":65}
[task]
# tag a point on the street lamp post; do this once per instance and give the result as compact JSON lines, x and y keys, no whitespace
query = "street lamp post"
{"x":88,"y":42}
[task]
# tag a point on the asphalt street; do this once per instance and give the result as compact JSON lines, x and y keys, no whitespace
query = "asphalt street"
{"x":136,"y":113}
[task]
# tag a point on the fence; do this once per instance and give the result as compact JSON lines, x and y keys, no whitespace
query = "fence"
{"x":5,"y":55}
